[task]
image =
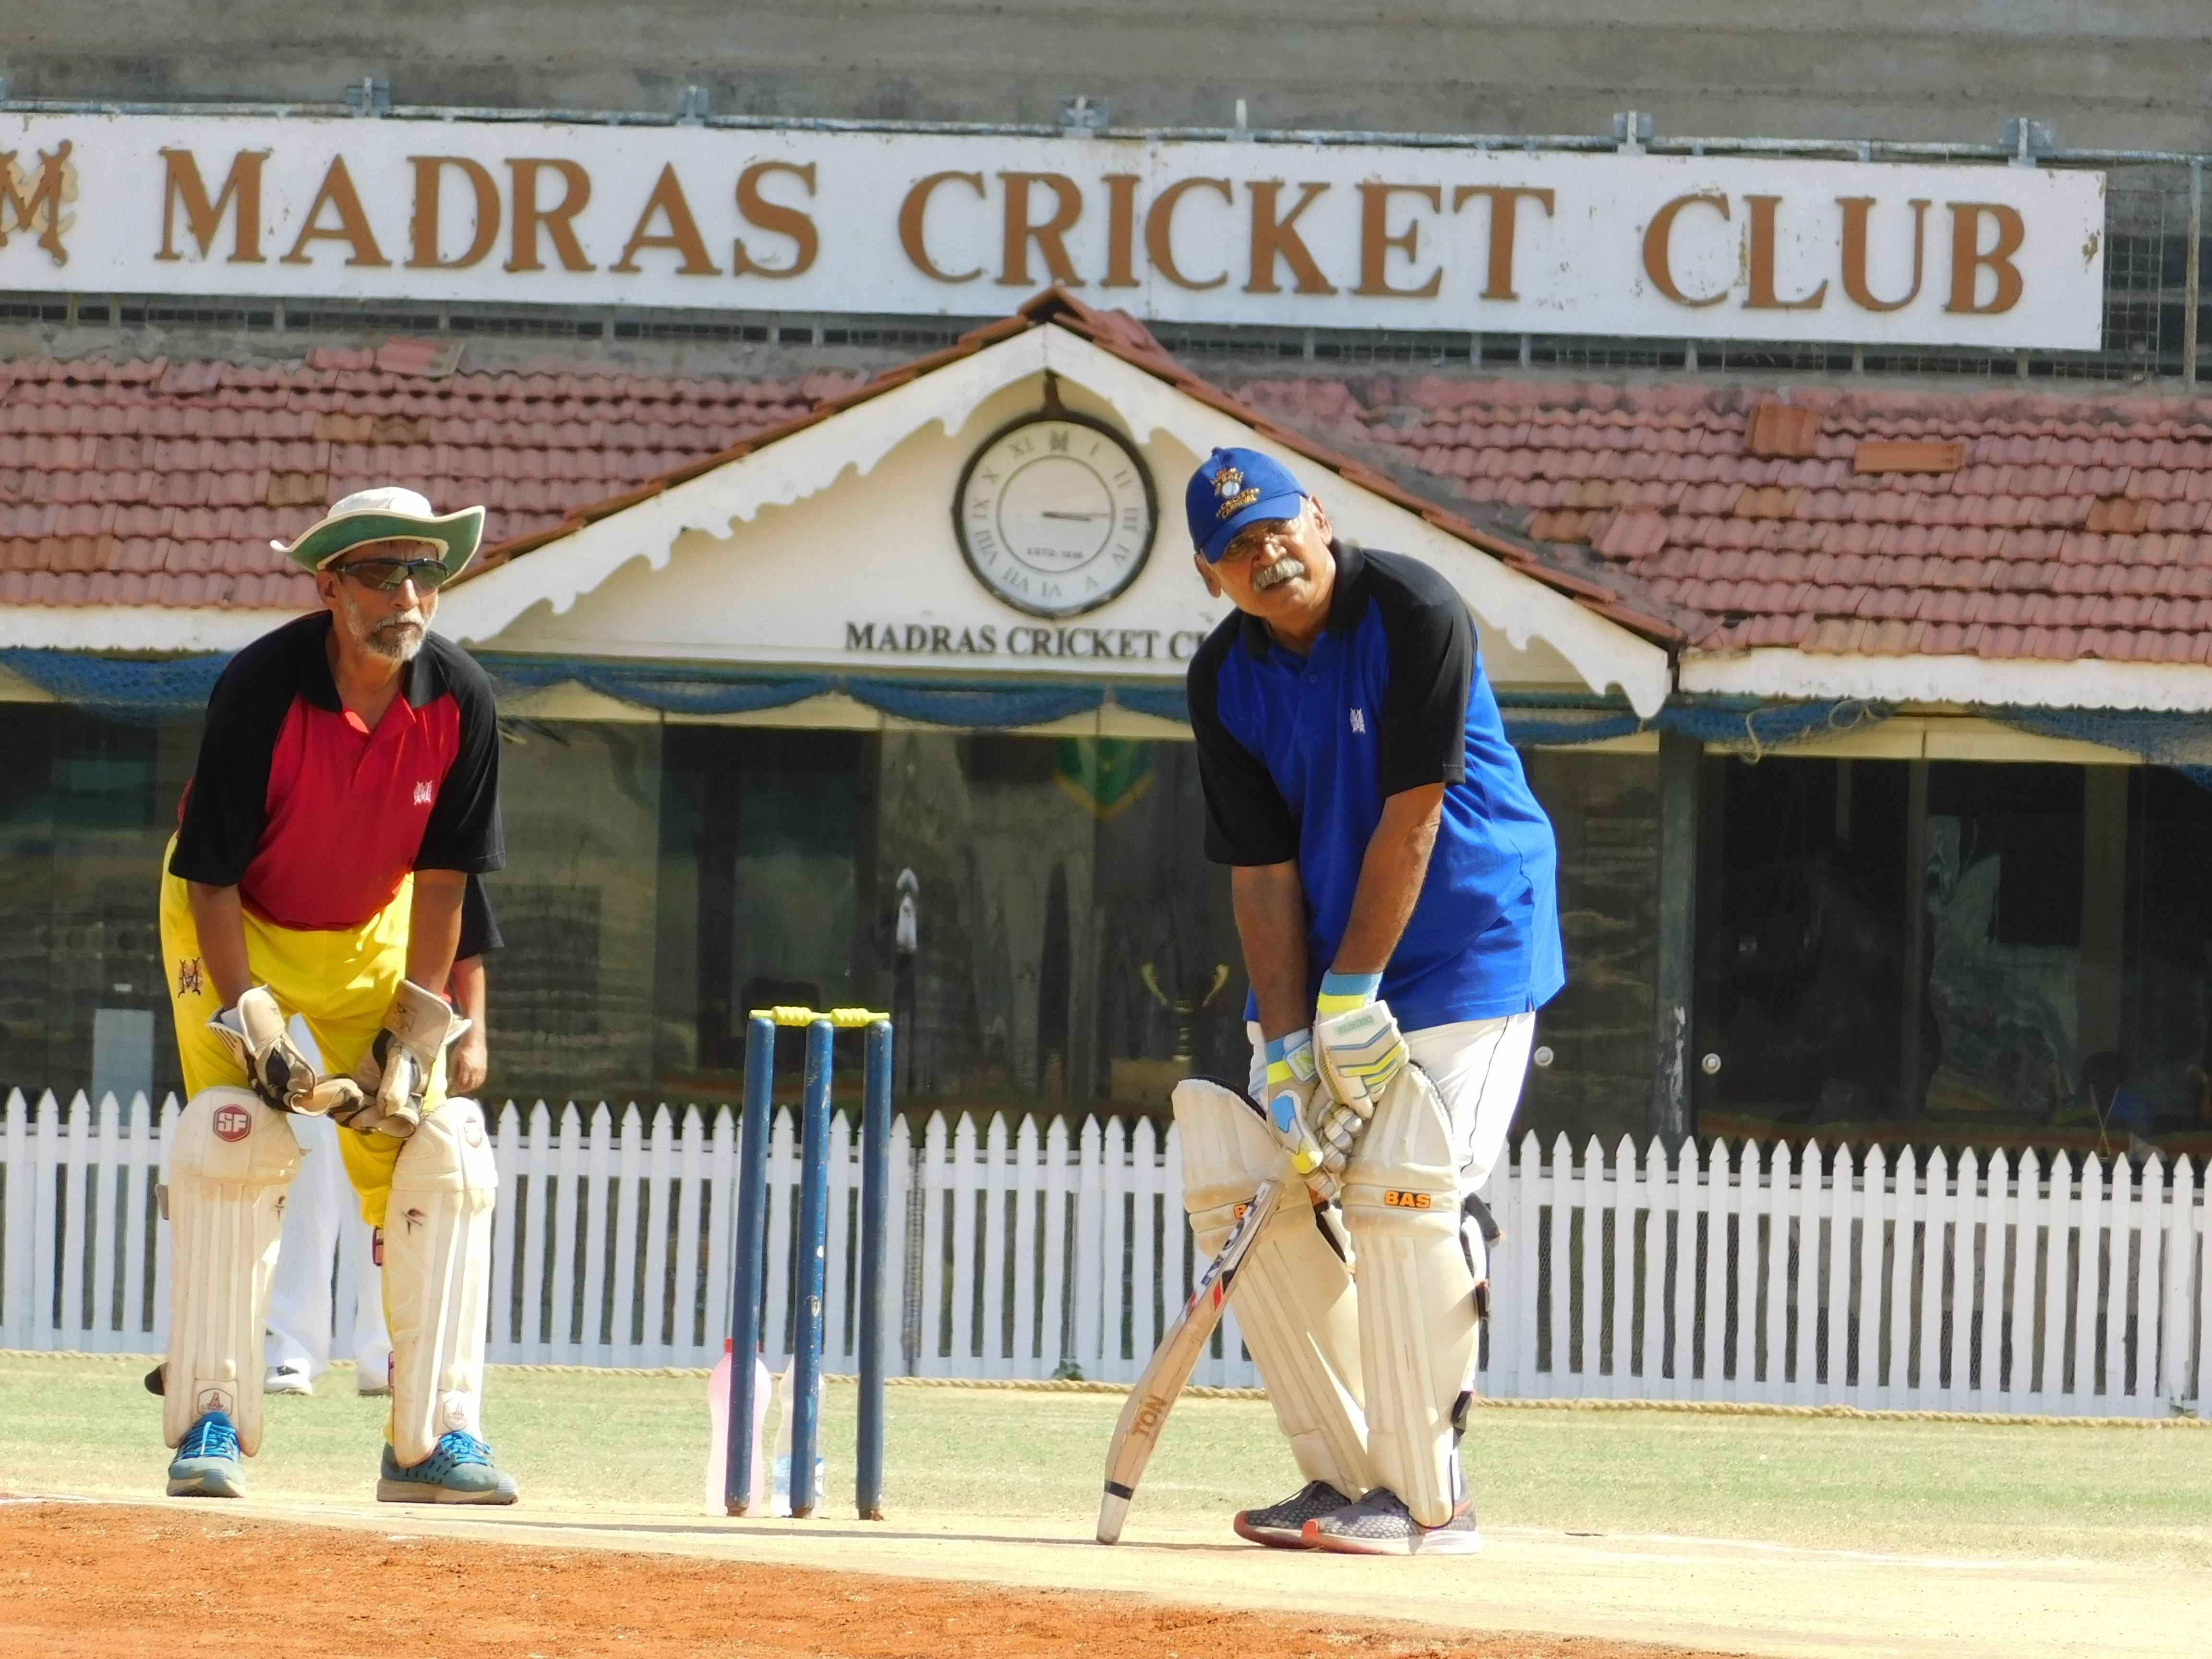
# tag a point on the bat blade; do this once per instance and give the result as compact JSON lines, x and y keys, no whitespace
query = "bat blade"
{"x":1144,"y":1413}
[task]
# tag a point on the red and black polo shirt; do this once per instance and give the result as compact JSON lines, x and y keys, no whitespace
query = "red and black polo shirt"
{"x":315,"y":819}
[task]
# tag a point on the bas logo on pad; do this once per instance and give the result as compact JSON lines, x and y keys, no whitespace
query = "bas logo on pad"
{"x":1394,"y":1200}
{"x":232,"y":1123}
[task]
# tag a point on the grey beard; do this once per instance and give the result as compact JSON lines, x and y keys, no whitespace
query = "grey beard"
{"x":389,"y":639}
{"x":394,"y":642}
{"x":1286,"y":569}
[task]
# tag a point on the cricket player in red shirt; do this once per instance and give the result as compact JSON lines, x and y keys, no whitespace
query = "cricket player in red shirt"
{"x":347,"y":787}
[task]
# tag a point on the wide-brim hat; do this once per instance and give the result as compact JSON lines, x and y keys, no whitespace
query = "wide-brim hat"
{"x":388,"y":514}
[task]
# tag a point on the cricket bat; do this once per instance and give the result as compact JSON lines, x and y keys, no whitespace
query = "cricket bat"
{"x":1145,"y":1412}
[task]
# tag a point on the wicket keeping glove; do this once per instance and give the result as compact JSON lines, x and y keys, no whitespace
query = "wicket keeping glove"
{"x":395,"y":1072}
{"x":257,"y":1033}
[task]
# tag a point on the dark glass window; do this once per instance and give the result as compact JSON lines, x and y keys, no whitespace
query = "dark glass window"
{"x":86,"y":807}
{"x":1956,"y":953}
{"x":1605,"y":813}
{"x":1800,"y":946}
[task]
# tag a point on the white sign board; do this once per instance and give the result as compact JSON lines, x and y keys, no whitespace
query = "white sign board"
{"x":1322,"y":236}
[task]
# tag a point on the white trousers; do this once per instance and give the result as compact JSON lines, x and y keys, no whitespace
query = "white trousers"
{"x":1478,"y":1066}
{"x":300,"y":1316}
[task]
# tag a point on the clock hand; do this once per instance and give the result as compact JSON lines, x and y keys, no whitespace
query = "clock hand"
{"x":1049,"y":514}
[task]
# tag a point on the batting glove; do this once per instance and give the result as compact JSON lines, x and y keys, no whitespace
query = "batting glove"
{"x":1293,"y":1091}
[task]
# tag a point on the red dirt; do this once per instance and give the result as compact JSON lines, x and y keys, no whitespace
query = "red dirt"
{"x":84,"y":1581}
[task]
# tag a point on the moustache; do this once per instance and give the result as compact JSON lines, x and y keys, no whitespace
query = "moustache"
{"x":1290,"y":567}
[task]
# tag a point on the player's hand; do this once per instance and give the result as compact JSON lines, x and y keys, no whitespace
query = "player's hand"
{"x":395,"y":1072}
{"x":468,"y":1062}
{"x":1292,"y":1098}
{"x":257,"y":1033}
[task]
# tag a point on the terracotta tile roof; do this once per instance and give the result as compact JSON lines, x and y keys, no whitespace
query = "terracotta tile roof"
{"x":163,"y":483}
{"x":1992,"y":524}
{"x":2065,"y":527}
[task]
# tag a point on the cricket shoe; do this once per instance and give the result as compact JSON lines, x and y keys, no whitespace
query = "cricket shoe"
{"x":459,"y":1470}
{"x":288,"y":1379}
{"x":206,"y":1463}
{"x":1378,"y":1524}
{"x":373,"y":1379}
{"x":1282,"y":1526}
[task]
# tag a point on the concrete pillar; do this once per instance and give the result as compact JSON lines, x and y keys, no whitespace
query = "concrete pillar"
{"x":1675,"y":977}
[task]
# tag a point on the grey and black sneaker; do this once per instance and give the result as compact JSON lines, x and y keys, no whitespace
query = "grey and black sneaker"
{"x":1282,"y":1526}
{"x":288,"y":1379}
{"x":1378,"y":1524}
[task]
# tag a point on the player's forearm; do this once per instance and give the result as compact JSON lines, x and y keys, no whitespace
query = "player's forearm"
{"x":1270,"y":902}
{"x":434,"y":927}
{"x":466,"y":988}
{"x":1391,"y":872}
{"x":469,"y":1060}
{"x":219,"y":920}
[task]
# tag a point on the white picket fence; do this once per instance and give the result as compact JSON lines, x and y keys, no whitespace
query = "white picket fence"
{"x":2013,"y":1283}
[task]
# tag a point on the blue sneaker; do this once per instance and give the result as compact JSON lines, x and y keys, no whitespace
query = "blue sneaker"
{"x":459,"y":1471}
{"x":206,"y":1463}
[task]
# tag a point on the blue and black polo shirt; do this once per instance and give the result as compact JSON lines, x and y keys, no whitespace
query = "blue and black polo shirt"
{"x":1298,"y":754}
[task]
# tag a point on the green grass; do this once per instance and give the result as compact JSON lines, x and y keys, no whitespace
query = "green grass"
{"x":630,"y":1443}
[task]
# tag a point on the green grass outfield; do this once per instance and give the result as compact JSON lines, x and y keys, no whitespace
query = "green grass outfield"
{"x":630,"y":1443}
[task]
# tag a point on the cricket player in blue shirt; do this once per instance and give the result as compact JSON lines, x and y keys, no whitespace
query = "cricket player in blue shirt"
{"x":1395,"y":889}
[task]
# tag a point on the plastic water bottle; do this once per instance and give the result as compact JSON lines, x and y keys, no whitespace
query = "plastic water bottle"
{"x":718,"y":1451}
{"x":779,"y":1481}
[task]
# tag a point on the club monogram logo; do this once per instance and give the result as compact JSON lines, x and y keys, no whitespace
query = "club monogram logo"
{"x":190,"y":981}
{"x":34,"y":200}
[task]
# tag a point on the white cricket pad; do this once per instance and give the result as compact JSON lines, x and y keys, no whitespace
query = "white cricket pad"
{"x":1417,"y":1324}
{"x":1295,"y":1302}
{"x":437,"y":1278}
{"x":230,"y":1160}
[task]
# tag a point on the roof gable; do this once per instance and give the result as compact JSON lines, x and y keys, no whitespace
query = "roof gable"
{"x":723,"y":527}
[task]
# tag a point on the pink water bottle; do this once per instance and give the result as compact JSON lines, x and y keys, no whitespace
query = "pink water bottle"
{"x":718,"y":1450}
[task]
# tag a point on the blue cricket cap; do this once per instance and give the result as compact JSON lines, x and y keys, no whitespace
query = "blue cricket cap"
{"x":1233,"y":488}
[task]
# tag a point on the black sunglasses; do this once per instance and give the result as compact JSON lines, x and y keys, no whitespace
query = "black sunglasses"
{"x":385,"y":574}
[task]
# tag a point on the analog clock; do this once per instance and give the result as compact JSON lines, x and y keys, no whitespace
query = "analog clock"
{"x":1055,"y":513}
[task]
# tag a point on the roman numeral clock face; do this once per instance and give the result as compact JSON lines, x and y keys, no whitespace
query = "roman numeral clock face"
{"x":1056,"y":514}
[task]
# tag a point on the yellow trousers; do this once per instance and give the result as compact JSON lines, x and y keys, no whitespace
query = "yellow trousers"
{"x":340,"y":982}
